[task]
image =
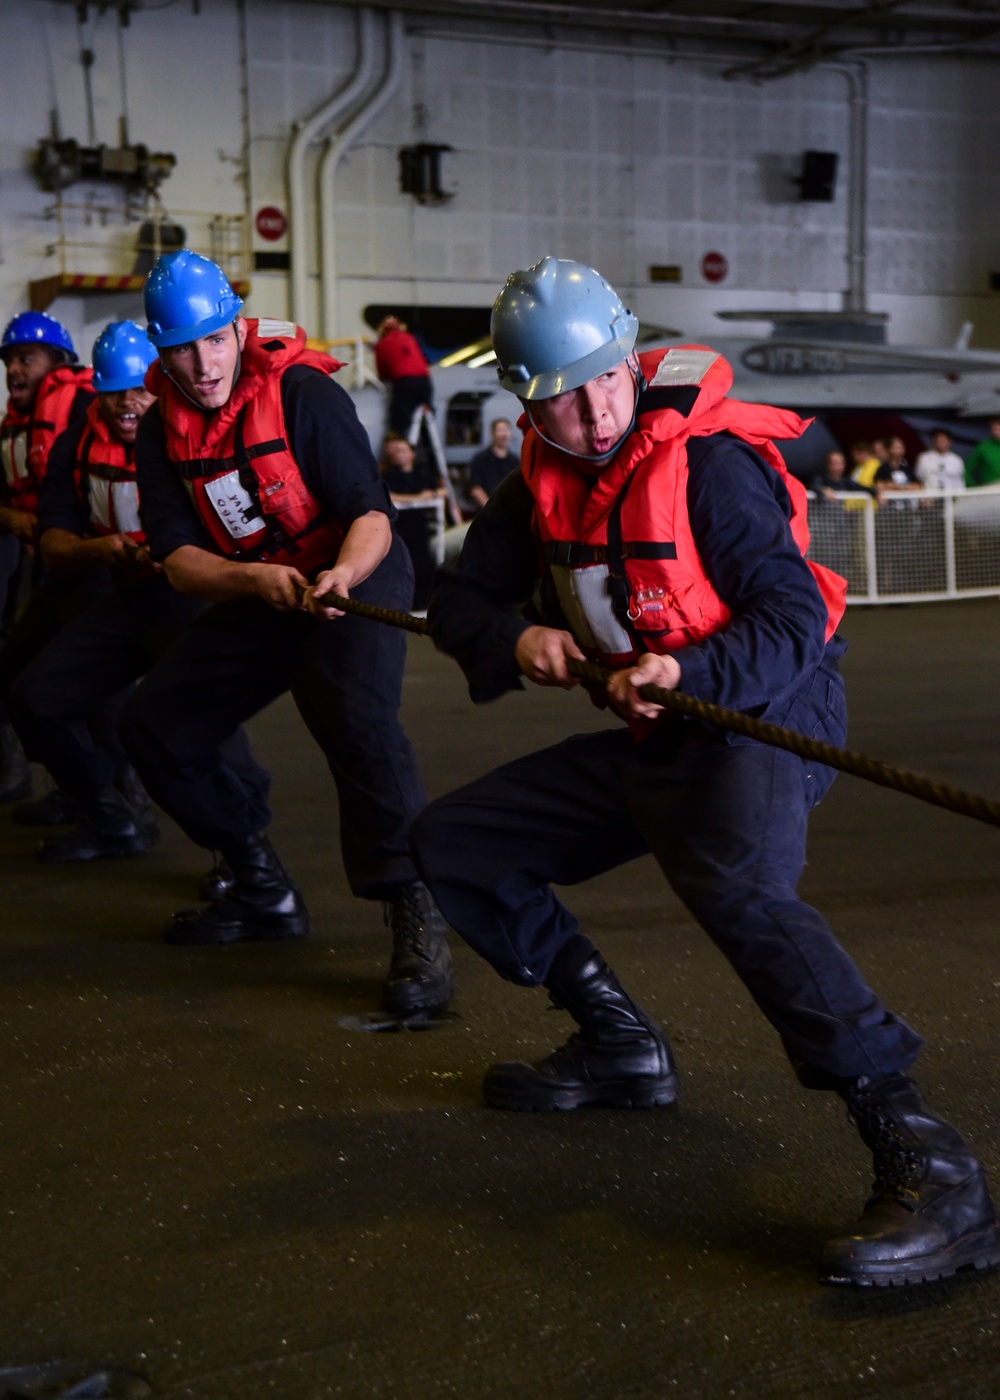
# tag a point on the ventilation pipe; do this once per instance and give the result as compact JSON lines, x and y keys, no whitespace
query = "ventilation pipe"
{"x":334,"y":153}
{"x":305,"y":134}
{"x":856,"y":295}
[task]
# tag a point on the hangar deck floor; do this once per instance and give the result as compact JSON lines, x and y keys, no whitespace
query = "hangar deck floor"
{"x":210,"y":1180}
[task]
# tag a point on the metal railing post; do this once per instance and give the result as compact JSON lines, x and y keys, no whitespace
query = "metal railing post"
{"x":871,"y":562}
{"x":950,"y":575}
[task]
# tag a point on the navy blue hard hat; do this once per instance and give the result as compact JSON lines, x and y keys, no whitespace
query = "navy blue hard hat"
{"x":187,"y":297}
{"x":36,"y":328}
{"x":122,"y":354}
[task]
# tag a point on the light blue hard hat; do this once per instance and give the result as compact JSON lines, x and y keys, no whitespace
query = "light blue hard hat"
{"x":557,"y":325}
{"x":122,"y":354}
{"x":186,"y":297}
{"x":36,"y":328}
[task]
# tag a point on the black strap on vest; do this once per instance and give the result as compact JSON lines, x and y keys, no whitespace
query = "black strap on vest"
{"x":104,"y":470}
{"x":679,"y":397}
{"x":573,"y":555}
{"x":618,"y":589}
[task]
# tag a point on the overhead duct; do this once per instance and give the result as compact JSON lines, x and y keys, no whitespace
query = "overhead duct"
{"x":337,"y":148}
{"x":305,"y":134}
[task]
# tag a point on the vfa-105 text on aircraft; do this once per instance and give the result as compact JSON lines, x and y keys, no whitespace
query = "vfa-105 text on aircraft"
{"x":827,"y":365}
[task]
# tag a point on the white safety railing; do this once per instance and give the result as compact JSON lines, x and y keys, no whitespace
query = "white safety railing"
{"x":914,"y":547}
{"x":435,"y":509}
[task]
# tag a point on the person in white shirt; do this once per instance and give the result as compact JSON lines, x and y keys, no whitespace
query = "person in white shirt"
{"x":939,"y":468}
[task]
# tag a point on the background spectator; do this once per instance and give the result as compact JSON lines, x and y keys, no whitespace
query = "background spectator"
{"x":939,"y":468}
{"x":983,"y":466}
{"x":411,"y":479}
{"x":895,"y":473}
{"x":489,"y":467}
{"x":833,"y":479}
{"x":865,"y":462}
{"x":402,"y":365}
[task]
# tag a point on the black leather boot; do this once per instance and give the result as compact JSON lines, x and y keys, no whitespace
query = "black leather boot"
{"x":619,"y":1056}
{"x":419,"y":981}
{"x":217,"y":881}
{"x":110,"y":830}
{"x":56,"y":808}
{"x":263,"y":905}
{"x":930,"y":1212}
{"x":130,"y":786}
{"x":15,"y":770}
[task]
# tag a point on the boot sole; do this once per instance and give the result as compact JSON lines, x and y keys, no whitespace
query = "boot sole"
{"x":660,"y":1093}
{"x":179,"y":938}
{"x":79,"y":857}
{"x":973,"y":1253}
{"x":407,"y":1001}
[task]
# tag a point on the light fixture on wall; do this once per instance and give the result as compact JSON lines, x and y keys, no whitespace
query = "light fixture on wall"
{"x":420,"y":173}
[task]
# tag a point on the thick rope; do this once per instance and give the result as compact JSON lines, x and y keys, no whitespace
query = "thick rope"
{"x":966,"y":804}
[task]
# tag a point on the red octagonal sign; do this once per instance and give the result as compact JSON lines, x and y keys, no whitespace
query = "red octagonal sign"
{"x":714,"y":267}
{"x":271,"y":222}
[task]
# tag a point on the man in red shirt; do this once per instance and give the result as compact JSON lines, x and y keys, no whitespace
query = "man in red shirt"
{"x":403,"y":366}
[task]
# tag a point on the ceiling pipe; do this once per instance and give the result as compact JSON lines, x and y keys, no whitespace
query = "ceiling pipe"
{"x":856,"y":295}
{"x":305,"y":134}
{"x":336,"y":149}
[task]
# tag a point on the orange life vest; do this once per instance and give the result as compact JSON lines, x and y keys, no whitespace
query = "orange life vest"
{"x":236,"y":462}
{"x":618,"y":547}
{"x":105,"y":478}
{"x":26,"y":438}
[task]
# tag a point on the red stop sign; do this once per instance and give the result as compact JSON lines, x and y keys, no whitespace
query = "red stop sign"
{"x":714,"y":267}
{"x":271,"y":222}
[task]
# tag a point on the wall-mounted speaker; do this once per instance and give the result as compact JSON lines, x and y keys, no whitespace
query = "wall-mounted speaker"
{"x":818,"y":180}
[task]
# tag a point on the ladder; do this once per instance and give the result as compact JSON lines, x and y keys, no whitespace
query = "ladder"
{"x":423,"y":419}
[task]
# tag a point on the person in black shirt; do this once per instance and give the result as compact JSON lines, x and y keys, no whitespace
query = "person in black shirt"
{"x":413,"y":484}
{"x":260,"y":495}
{"x":489,"y":467}
{"x":89,"y":525}
{"x":655,"y":527}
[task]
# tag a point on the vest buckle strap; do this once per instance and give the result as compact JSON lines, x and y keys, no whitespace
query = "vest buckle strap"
{"x":265,"y":449}
{"x":199,"y":467}
{"x":573,"y":555}
{"x":643,"y":549}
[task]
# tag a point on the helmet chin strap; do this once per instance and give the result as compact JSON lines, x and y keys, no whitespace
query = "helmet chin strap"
{"x":599,"y":458}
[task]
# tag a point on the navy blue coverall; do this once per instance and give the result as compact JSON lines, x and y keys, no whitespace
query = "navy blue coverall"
{"x":345,"y":675}
{"x":96,"y":654}
{"x":724,"y":816}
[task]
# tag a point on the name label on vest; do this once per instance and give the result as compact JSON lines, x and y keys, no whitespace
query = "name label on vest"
{"x":115,"y":505}
{"x":683,"y":367}
{"x":586,"y":604}
{"x":234,"y":506}
{"x":268,"y":330}
{"x":14,"y":451}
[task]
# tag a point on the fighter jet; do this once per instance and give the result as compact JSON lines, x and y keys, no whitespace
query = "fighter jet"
{"x":834,"y":366}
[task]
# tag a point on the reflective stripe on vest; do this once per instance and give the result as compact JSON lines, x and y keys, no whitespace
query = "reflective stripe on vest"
{"x":14,"y":453}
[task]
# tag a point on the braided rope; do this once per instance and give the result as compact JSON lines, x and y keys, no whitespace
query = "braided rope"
{"x":966,"y":804}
